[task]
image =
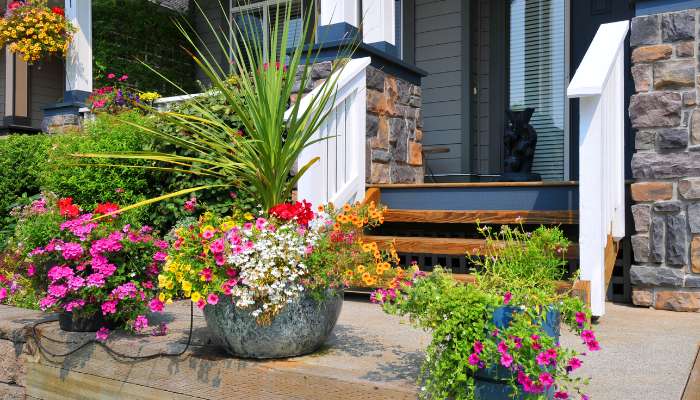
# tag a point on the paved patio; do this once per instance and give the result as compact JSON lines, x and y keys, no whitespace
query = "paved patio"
{"x":646,"y":354}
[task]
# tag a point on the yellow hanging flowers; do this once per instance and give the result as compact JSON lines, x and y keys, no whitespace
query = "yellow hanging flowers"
{"x":34,"y":31}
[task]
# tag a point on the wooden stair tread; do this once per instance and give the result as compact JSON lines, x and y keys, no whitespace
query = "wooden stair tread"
{"x":563,"y":217}
{"x":439,"y":245}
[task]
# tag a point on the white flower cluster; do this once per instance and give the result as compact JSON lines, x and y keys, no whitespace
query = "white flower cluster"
{"x":271,"y":266}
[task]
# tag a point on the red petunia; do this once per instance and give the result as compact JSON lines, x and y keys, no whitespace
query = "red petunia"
{"x":67,"y":208}
{"x":14,"y":5}
{"x":106,"y":208}
{"x":299,"y":211}
{"x":58,"y":10}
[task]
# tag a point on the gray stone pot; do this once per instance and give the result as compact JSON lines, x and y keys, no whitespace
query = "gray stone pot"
{"x":300,"y":328}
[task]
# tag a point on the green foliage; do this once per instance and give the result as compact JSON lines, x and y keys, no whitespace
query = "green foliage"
{"x":128,"y":31}
{"x":260,"y":160}
{"x":85,"y":180}
{"x":523,"y":263}
{"x":517,"y":278}
{"x":21,"y":164}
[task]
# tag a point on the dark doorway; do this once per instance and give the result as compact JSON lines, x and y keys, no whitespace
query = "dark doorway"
{"x":586,"y":17}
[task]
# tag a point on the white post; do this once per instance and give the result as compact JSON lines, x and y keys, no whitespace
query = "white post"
{"x":79,"y":57}
{"x":339,"y":11}
{"x":378,"y":23}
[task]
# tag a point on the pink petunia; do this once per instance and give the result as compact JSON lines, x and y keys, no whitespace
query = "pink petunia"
{"x":561,"y":395}
{"x":507,"y":297}
{"x":109,"y":307}
{"x":580,"y":318}
{"x":156,"y":305}
{"x":574,"y":364}
{"x":217,"y":246}
{"x":140,"y":323}
{"x":3,"y":293}
{"x":474,"y":359}
{"x":593,"y":345}
{"x":212,"y":298}
{"x":587,"y":336}
{"x":478,"y":347}
{"x":102,"y":334}
{"x":206,"y":274}
{"x":159,"y":256}
{"x":502,"y":347}
{"x":201,"y":303}
{"x":546,"y":379}
{"x":542,"y":359}
{"x":506,"y":360}
{"x":260,"y":223}
{"x":111,"y":76}
{"x":31,"y":270}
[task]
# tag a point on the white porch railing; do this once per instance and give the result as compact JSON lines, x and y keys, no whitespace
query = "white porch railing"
{"x":339,"y":174}
{"x":599,"y":82}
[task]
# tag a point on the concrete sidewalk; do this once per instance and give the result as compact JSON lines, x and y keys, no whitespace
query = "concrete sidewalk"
{"x":646,"y":353}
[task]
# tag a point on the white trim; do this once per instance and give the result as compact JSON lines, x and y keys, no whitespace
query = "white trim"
{"x":378,"y":23}
{"x":567,"y":106}
{"x":79,"y":57}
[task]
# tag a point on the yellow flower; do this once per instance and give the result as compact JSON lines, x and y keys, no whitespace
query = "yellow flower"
{"x":360,"y":269}
{"x":227,"y":226}
{"x":161,"y":297}
{"x":186,"y":286}
{"x":196,"y":296}
{"x":248,"y":216}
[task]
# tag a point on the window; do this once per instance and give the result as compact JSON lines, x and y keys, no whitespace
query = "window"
{"x":537,"y":63}
{"x":398,"y":27}
{"x":256,"y":19}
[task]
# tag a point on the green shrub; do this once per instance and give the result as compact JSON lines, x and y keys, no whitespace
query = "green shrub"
{"x":21,"y":163}
{"x":85,"y":180}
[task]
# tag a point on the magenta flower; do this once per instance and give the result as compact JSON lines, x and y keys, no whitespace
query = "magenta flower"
{"x":206,"y":274}
{"x":47,"y":302}
{"x":140,"y":323}
{"x":561,"y":395}
{"x":574,"y":364}
{"x":95,"y":280}
{"x":123,"y":78}
{"x":518,"y":342}
{"x":109,"y":307}
{"x":587,"y":335}
{"x":31,"y":270}
{"x":506,"y":360}
{"x":593,"y":345}
{"x":111,"y":76}
{"x":102,"y":334}
{"x":160,"y":330}
{"x":201,"y":303}
{"x":161,"y":244}
{"x":507,"y":298}
{"x":191,"y":205}
{"x":474,"y":359}
{"x":59,"y":272}
{"x":212,"y":298}
{"x":546,"y":379}
{"x":217,"y":246}
{"x":580,"y":318}
{"x":478,"y":347}
{"x":159,"y":256}
{"x":58,"y":291}
{"x":260,"y":223}
{"x":3,"y":293}
{"x":208,"y":234}
{"x":542,"y":359}
{"x":74,"y":305}
{"x":502,"y":347}
{"x":76,"y":282}
{"x":156,"y":305}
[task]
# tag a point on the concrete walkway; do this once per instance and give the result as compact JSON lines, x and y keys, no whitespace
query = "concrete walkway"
{"x":646,"y":354}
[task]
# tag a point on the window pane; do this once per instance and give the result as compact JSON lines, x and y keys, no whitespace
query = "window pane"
{"x":295,"y":33}
{"x":537,"y":77}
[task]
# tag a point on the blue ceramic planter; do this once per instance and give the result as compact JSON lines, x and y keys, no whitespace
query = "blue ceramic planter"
{"x":492,"y":383}
{"x":300,"y":328}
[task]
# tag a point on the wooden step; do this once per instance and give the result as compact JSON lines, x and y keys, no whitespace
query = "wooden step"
{"x":565,"y":217}
{"x":437,"y":245}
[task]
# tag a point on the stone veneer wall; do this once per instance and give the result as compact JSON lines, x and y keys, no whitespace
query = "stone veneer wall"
{"x":666,"y":163}
{"x":394,"y":126}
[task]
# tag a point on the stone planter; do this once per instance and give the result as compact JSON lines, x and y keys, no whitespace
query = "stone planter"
{"x":300,"y":328}
{"x":492,"y":383}
{"x":70,"y":322}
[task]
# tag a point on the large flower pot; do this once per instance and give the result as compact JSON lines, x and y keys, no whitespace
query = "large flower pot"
{"x":70,"y":322}
{"x":493,"y":383}
{"x":300,"y":328}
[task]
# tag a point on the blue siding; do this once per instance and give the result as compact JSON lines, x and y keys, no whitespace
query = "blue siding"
{"x":646,"y":7}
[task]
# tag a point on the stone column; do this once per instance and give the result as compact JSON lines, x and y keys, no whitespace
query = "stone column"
{"x":666,"y":163}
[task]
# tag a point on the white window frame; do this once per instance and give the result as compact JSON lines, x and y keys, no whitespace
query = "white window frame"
{"x":261,"y":5}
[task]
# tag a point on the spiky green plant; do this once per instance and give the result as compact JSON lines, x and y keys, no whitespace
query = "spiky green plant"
{"x":261,"y":160}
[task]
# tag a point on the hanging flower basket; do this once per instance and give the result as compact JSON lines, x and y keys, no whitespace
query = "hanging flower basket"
{"x":35,"y":31}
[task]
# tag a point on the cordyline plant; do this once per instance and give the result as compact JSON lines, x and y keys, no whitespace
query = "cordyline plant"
{"x":260,"y":157}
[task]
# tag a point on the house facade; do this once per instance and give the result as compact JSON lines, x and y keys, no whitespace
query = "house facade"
{"x":442,"y":78}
